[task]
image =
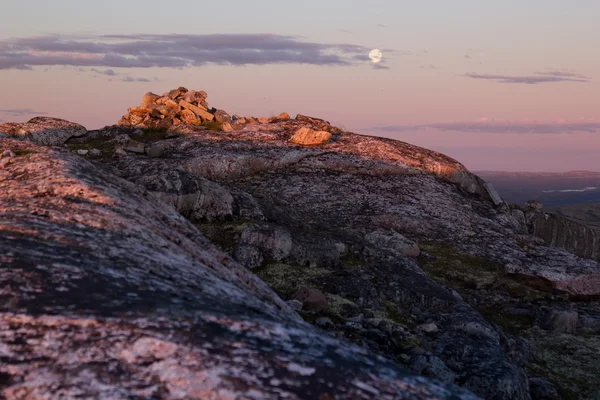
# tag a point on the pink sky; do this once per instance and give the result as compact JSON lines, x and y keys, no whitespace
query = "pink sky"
{"x":462,"y":64}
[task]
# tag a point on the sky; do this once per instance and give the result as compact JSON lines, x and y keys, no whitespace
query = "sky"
{"x":498,"y":85}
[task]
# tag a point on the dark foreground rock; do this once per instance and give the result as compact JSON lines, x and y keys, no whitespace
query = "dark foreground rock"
{"x":107,"y":292}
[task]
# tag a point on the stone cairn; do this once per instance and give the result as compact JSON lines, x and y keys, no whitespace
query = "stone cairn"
{"x":177,"y":107}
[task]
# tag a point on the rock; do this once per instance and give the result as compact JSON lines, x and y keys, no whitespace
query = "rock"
{"x":135,"y":147}
{"x":190,"y":96}
{"x":541,"y":389}
{"x":124,"y":121}
{"x":427,"y":364}
{"x":558,"y":321}
{"x":295,"y":305}
{"x":95,"y":152}
{"x":249,"y":256}
{"x":311,"y":298}
{"x":45,"y":131}
{"x":188,"y":117}
{"x":494,"y":196}
{"x":149,"y":99}
{"x":263,"y":120}
{"x":172,"y":104}
{"x":120,"y":152}
{"x":222,"y":117}
{"x":323,"y":322}
{"x":533,"y":206}
{"x":82,"y":152}
{"x":174,"y":94}
{"x":226,"y":127}
{"x":154,"y":151}
{"x":275,"y":242}
{"x":306,"y":136}
{"x":206,"y":116}
{"x":317,"y":123}
{"x":394,"y":242}
{"x":430,"y":327}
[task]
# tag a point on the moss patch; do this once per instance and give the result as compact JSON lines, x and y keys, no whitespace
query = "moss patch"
{"x":460,"y":270}
{"x":151,"y":135}
{"x":286,"y":279}
{"x":575,"y":376}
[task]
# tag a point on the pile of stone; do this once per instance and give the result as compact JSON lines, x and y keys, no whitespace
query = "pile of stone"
{"x":177,"y":107}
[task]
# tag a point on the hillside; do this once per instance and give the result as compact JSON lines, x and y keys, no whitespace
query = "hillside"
{"x":248,"y":253}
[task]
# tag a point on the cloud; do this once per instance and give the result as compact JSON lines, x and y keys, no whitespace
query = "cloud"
{"x":564,"y":74}
{"x":172,"y":51}
{"x":130,"y":79}
{"x":486,"y":126}
{"x":107,"y":72}
{"x":539,"y":77}
{"x":427,"y":66}
{"x":22,"y":112}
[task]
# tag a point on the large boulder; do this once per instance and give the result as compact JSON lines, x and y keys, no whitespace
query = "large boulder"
{"x":108,"y":293}
{"x":45,"y":131}
{"x":306,"y":136}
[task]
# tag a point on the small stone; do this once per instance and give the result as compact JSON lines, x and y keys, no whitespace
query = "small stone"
{"x":295,"y":304}
{"x":135,"y":147}
{"x":222,"y":117}
{"x":95,"y":152}
{"x":428,"y":328}
{"x":311,"y":299}
{"x":189,"y":117}
{"x":120,"y":152}
{"x":308,"y":137}
{"x":324,"y":322}
{"x":263,"y":120}
{"x":154,"y":151}
{"x":226,"y":127}
{"x":149,"y":99}
{"x":205,"y":115}
{"x":82,"y":152}
{"x":172,"y":104}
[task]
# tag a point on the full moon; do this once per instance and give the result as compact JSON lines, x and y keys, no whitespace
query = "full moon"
{"x":375,"y":55}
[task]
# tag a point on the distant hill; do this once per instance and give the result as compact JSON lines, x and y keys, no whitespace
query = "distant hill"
{"x":551,"y":188}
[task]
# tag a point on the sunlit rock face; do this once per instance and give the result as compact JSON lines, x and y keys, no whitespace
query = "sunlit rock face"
{"x":108,"y":292}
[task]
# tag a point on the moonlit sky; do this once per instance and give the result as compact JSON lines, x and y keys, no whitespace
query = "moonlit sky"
{"x":498,"y":85}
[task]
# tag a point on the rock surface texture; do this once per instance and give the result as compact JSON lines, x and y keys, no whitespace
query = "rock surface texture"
{"x":107,"y":292}
{"x":393,"y":247}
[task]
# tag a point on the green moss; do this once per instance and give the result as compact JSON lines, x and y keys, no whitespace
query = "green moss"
{"x":575,"y":376}
{"x":103,"y":144}
{"x":286,"y":279}
{"x":460,"y":270}
{"x":394,"y":313}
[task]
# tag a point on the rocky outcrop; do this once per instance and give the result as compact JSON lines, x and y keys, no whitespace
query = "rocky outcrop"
{"x":573,"y":236}
{"x":396,"y":248}
{"x":176,"y":107}
{"x":109,"y":293}
{"x":44,"y":130}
